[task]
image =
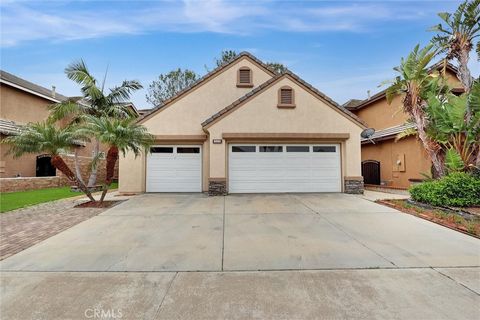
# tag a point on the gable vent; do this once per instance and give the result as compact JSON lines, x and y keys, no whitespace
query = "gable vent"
{"x":286,"y":96}
{"x":244,"y":77}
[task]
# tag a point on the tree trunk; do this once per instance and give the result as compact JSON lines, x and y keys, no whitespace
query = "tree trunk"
{"x":92,"y":181}
{"x":428,"y":144}
{"x":466,"y":79}
{"x":77,"y":167}
{"x":58,"y":163}
{"x":112,"y":156}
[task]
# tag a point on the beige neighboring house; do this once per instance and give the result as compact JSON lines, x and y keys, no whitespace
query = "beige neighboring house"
{"x":22,"y":102}
{"x":387,"y":162}
{"x":244,"y":129}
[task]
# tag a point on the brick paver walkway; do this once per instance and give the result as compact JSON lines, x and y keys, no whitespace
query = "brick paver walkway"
{"x":22,"y":228}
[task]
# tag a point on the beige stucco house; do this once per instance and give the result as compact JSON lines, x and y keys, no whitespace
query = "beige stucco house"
{"x":244,"y":129}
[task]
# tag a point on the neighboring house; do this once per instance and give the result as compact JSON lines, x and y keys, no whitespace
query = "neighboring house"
{"x":22,"y":102}
{"x":385,"y":161}
{"x":244,"y":129}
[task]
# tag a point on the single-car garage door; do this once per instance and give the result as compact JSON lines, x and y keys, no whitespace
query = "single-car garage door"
{"x":174,"y":169}
{"x":284,"y":168}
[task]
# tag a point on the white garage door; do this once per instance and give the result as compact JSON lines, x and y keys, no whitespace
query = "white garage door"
{"x":284,"y":168}
{"x":174,"y":169}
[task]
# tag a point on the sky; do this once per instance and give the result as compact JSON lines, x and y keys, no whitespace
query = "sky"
{"x":343,"y":48}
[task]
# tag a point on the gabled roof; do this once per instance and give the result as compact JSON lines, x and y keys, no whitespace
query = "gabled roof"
{"x":352,"y":103}
{"x":288,"y":74}
{"x":205,"y":79}
{"x":382,"y":94}
{"x":388,"y":133}
{"x":27,"y":86}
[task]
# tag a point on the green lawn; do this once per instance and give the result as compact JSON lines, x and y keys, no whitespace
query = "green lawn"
{"x":14,"y":200}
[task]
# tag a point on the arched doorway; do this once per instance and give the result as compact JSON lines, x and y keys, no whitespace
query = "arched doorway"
{"x":44,"y":166}
{"x":371,"y":172}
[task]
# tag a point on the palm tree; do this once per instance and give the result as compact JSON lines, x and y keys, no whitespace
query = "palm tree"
{"x":448,"y":127}
{"x":94,"y":102}
{"x":414,"y":82}
{"x":120,"y":135}
{"x":457,"y":37}
{"x":45,"y":137}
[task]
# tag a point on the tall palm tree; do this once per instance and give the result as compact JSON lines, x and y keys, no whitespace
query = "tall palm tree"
{"x":414,"y":82}
{"x":456,"y":37}
{"x":95,"y":101}
{"x":45,"y":137}
{"x":121,"y":135}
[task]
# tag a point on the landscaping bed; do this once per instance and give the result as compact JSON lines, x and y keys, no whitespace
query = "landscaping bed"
{"x":14,"y":200}
{"x":462,"y":220}
{"x":97,"y":204}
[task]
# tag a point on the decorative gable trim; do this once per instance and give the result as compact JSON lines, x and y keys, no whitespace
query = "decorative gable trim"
{"x":206,"y":78}
{"x":249,"y":96}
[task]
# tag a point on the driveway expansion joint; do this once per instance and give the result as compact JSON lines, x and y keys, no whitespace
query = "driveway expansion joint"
{"x":166,"y":293}
{"x":347,"y":234}
{"x":452,"y":279}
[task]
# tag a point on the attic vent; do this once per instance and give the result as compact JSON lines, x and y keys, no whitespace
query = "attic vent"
{"x":286,"y":97}
{"x":244,"y":78}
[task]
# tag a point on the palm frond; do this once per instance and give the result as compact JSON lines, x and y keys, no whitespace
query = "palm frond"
{"x":405,"y":134}
{"x":123,"y":92}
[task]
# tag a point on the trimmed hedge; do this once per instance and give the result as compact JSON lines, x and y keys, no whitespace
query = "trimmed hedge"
{"x":457,"y":189}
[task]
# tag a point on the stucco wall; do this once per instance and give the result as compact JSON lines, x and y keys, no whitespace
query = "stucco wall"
{"x":184,"y":117}
{"x":381,"y":115}
{"x":10,"y":167}
{"x":261,"y":115}
{"x":22,"y":107}
{"x":416,"y":160}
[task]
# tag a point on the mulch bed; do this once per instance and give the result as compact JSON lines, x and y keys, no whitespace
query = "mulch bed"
{"x":97,"y":204}
{"x":464,"y":223}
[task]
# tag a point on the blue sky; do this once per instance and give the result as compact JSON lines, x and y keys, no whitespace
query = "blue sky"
{"x":343,"y":48}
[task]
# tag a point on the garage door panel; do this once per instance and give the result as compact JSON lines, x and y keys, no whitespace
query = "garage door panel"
{"x":255,"y":172}
{"x":174,"y":172}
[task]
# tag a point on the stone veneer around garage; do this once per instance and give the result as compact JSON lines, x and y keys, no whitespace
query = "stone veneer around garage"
{"x":217,"y":187}
{"x":354,"y":185}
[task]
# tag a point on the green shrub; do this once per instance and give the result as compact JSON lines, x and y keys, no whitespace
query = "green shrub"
{"x":457,"y":189}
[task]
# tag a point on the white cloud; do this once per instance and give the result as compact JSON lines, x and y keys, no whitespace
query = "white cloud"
{"x":26,"y":21}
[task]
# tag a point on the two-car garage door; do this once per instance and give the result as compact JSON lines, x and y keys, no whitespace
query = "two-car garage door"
{"x":284,"y":168}
{"x":253,"y":168}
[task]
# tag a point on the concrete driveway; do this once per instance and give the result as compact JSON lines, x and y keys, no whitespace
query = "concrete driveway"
{"x":260,"y":256}
{"x":193,"y":232}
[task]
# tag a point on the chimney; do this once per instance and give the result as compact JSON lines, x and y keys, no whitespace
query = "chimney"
{"x":53,"y":91}
{"x":368,"y":94}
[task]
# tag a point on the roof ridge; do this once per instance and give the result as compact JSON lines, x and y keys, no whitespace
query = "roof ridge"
{"x":7,"y":76}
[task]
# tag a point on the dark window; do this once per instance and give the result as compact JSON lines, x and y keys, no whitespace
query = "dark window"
{"x":324,"y":149}
{"x":270,"y":149}
{"x":298,"y":149}
{"x":161,"y":150}
{"x":188,"y":150}
{"x":243,"y":148}
{"x":45,"y":167}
